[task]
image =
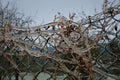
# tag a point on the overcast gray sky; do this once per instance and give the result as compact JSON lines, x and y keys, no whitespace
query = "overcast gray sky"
{"x":43,"y":11}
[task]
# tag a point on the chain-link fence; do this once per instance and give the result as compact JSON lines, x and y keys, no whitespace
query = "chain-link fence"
{"x":63,"y":49}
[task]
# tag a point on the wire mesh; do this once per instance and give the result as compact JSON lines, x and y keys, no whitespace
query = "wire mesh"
{"x":63,"y":50}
